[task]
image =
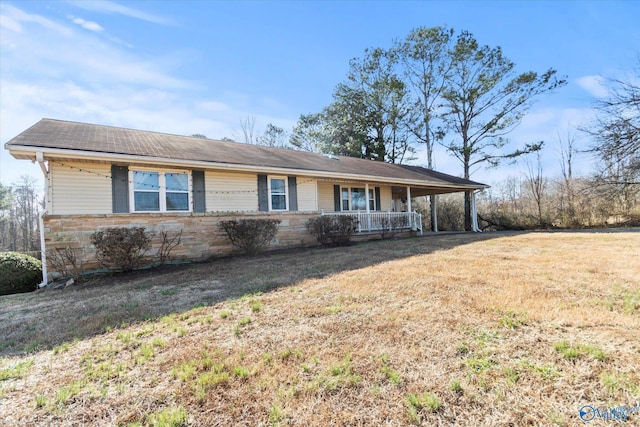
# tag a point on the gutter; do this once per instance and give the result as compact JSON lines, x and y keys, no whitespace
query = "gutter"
{"x":43,"y":249}
{"x":111,"y":157}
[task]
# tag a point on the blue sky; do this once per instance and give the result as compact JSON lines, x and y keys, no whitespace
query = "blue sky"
{"x":188,"y":67}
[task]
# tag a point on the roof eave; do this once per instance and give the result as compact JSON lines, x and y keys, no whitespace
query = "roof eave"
{"x":24,"y":151}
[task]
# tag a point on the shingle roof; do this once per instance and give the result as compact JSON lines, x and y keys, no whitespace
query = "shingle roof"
{"x":83,"y":137}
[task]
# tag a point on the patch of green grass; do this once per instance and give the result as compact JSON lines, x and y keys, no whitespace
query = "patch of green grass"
{"x":34,"y":346}
{"x":64,"y":347}
{"x":513,"y":320}
{"x":41,"y":401}
{"x":625,"y":300}
{"x":480,"y":364}
{"x":340,"y":375}
{"x":169,"y":417}
{"x":185,"y":370}
{"x":16,"y":371}
{"x":546,"y":372}
{"x":168,"y":292}
{"x":241,"y":372}
{"x":615,"y":382}
{"x":455,"y":386}
{"x":225,"y":313}
{"x":418,"y":404}
{"x":512,"y":375}
{"x":158,"y":342}
{"x":126,"y":337}
{"x":463,"y":349}
{"x":104,"y":370}
{"x":146,"y":353}
{"x":578,"y":350}
{"x":334,"y":309}
{"x":267,"y":358}
{"x":65,"y":394}
{"x":256,"y":305}
{"x":209,"y":380}
{"x":393,"y":377}
{"x":485,"y":336}
{"x":556,"y":418}
{"x":240,"y":325}
{"x":275,"y":414}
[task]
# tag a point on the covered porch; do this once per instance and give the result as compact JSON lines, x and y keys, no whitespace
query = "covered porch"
{"x":375,"y":207}
{"x":379,"y":221}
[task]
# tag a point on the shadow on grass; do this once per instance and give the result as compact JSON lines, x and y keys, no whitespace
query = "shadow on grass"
{"x":46,"y":318}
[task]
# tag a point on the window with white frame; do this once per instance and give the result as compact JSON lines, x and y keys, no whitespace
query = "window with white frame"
{"x":355,"y":199}
{"x":278,"y":193}
{"x":156,"y":191}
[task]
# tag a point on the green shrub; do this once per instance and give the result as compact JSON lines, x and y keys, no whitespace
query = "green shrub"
{"x":250,"y":236}
{"x":19,"y":273}
{"x":330,"y":229}
{"x":121,"y":248}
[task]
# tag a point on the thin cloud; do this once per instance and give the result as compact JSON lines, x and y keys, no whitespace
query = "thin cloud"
{"x":594,"y":85}
{"x":87,"y":25}
{"x":12,"y":17}
{"x":111,"y":8}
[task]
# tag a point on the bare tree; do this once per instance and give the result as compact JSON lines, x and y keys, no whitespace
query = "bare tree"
{"x":568,"y":152}
{"x":537,"y":184}
{"x":617,"y":127}
{"x":20,"y":208}
{"x":248,"y":128}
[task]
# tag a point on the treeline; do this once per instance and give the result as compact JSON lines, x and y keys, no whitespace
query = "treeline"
{"x":20,"y":205}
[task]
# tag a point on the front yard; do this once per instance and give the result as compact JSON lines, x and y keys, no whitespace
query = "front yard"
{"x":465,"y":329}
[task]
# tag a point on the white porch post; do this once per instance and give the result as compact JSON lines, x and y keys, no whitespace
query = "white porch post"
{"x":366,"y":192}
{"x":434,"y":212}
{"x":474,"y":213}
{"x":409,"y":207}
{"x":43,"y":249}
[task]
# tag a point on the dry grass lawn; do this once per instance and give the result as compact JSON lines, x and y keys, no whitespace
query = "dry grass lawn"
{"x":469,"y":330}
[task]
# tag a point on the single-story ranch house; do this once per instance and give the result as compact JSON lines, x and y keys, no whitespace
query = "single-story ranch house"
{"x":100,"y":176}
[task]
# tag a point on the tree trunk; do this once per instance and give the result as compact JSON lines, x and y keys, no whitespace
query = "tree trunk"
{"x":434,"y":217}
{"x":467,"y":211}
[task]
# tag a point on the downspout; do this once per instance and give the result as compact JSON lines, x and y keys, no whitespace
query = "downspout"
{"x":43,"y":251}
{"x":474,"y":213}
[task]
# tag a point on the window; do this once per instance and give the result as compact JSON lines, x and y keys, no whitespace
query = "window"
{"x":355,"y":199}
{"x":160,"y":191}
{"x":278,"y":192}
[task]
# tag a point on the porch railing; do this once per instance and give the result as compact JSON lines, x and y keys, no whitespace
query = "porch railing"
{"x":377,"y":221}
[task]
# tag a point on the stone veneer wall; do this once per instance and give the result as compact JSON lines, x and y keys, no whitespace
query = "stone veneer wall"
{"x":201,"y":238}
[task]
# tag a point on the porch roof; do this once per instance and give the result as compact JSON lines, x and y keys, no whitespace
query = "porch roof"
{"x":64,"y":139}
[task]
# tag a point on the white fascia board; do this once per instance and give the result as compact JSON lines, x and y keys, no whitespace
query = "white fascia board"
{"x":17,"y":150}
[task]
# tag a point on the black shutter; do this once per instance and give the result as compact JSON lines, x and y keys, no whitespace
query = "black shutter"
{"x":120,"y":189}
{"x":293,"y":193}
{"x":336,"y":198}
{"x":199,"y":199}
{"x":263,"y":193}
{"x":378,"y":208}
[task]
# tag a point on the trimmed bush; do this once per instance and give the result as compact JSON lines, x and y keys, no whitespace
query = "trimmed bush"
{"x":336,"y":230}
{"x":250,"y":236}
{"x":19,"y":273}
{"x":121,"y":248}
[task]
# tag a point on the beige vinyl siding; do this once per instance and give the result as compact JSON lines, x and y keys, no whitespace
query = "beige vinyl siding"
{"x":307,"y":194}
{"x":385,"y":198}
{"x":231,"y":192}
{"x":79,"y":188}
{"x":325,"y":196}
